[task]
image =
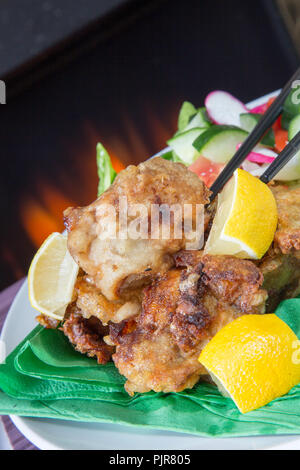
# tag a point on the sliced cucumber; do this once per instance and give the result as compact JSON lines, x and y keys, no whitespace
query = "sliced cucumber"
{"x":186,"y":113}
{"x":286,"y":118}
{"x":291,"y":171}
{"x":218,"y":143}
{"x":182,"y":144}
{"x":294,"y":127}
{"x":249,"y":121}
{"x":291,"y":107}
{"x":200,"y":119}
{"x":292,"y":102}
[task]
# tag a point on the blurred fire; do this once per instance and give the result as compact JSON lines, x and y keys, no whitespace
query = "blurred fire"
{"x":42,"y":210}
{"x":43,"y":214}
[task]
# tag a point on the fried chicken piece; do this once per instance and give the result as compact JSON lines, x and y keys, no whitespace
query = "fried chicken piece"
{"x":281,"y":274}
{"x":211,"y":282}
{"x":287,"y":236}
{"x":280,"y":266}
{"x":116,"y":265}
{"x":148,"y":356}
{"x":86,"y":335}
{"x":182,"y":311}
{"x":91,"y":302}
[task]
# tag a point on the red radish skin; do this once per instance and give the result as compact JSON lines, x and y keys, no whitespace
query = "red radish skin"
{"x":262,"y":108}
{"x":260,"y":155}
{"x":259,"y":158}
{"x":223,"y":108}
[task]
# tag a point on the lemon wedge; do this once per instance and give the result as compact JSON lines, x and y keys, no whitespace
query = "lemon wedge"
{"x":246,"y":218}
{"x":51,"y":278}
{"x":253,"y":361}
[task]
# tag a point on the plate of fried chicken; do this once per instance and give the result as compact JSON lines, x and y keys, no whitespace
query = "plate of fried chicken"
{"x":150,"y":305}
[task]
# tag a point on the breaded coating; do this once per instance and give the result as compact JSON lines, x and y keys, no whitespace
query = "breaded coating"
{"x":281,"y":274}
{"x":148,"y":356}
{"x":182,"y":310}
{"x":280,"y":266}
{"x":118,"y":266}
{"x":91,"y":302}
{"x":47,"y":322}
{"x":86,"y":335}
{"x":287,"y":236}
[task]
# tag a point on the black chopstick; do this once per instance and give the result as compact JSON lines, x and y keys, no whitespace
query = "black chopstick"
{"x":253,"y":138}
{"x":285,"y":155}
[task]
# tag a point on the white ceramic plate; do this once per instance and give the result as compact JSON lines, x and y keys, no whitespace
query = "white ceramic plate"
{"x":57,"y":434}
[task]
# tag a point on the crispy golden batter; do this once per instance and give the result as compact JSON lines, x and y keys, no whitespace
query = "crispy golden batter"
{"x":86,"y":335}
{"x":182,"y":311}
{"x":287,"y":236}
{"x":120,"y":265}
{"x":148,"y":356}
{"x":91,"y":302}
{"x":280,"y":266}
{"x":47,"y":322}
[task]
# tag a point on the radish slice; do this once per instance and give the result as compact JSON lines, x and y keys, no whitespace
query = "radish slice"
{"x":223,"y":108}
{"x":259,"y":158}
{"x":261,"y":109}
{"x":254,"y":168}
{"x":260,"y":155}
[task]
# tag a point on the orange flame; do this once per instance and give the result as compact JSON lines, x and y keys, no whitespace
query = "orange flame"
{"x":45,"y":215}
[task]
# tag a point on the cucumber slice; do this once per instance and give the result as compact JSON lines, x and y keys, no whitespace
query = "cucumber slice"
{"x":200,"y":119}
{"x":249,"y":121}
{"x":291,"y":171}
{"x":286,"y":118}
{"x":218,"y":143}
{"x":291,"y":107}
{"x":186,"y":113}
{"x":182,"y":144}
{"x":292,"y":102}
{"x":294,"y":127}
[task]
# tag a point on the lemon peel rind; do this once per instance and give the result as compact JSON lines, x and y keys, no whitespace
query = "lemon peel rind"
{"x":57,"y":314}
{"x":251,"y":360}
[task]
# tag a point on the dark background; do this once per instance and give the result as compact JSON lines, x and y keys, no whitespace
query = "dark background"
{"x":83,"y":71}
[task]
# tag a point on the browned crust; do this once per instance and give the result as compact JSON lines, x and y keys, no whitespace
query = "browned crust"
{"x":86,"y":336}
{"x":233,"y":280}
{"x":182,"y":311}
{"x":110,"y":263}
{"x":191,"y":319}
{"x":287,"y":236}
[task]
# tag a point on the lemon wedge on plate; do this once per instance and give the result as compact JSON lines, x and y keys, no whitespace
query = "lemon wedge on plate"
{"x":252,"y":360}
{"x":245,"y":220}
{"x":51,"y":278}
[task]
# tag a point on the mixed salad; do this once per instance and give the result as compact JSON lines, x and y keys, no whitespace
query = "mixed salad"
{"x":208,"y":137}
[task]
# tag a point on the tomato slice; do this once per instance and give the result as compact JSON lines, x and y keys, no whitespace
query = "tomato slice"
{"x":207,"y":170}
{"x":277,"y":124}
{"x":281,"y":139}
